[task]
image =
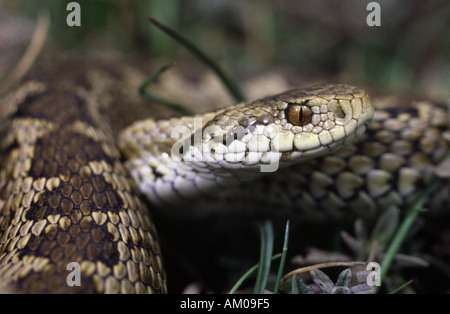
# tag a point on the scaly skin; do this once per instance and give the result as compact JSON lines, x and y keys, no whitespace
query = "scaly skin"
{"x":66,"y":198}
{"x":224,"y":148}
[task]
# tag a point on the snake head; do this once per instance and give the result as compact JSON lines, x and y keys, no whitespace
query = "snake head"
{"x":292,"y":126}
{"x":236,"y":144}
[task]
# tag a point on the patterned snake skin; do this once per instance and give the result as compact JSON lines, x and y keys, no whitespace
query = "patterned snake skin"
{"x":66,"y":197}
{"x":224,"y":148}
{"x":391,"y":164}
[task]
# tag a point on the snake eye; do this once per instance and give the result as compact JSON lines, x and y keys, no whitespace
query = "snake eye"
{"x":299,"y":115}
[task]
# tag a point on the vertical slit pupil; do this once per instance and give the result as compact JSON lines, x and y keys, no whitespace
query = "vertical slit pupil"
{"x":300,"y":116}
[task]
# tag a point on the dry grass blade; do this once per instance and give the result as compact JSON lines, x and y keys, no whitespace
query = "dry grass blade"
{"x":33,"y":50}
{"x":312,"y":267}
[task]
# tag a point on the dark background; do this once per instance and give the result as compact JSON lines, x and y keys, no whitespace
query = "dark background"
{"x":306,"y":39}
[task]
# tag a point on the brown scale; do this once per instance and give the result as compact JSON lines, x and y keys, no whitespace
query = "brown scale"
{"x":65,"y":197}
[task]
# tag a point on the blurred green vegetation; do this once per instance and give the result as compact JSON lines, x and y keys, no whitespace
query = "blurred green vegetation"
{"x":410,"y":51}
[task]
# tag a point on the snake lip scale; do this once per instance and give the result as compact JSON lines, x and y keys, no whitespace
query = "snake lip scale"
{"x":71,"y":192}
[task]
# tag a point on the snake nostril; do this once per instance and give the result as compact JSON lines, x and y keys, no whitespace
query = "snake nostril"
{"x":299,"y":115}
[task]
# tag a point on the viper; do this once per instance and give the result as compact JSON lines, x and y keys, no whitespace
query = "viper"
{"x":75,"y":187}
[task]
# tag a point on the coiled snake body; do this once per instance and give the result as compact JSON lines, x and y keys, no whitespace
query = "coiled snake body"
{"x":66,"y":197}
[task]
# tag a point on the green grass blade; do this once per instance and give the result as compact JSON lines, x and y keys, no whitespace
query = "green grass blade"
{"x":266,"y":231}
{"x":283,"y":258}
{"x":404,"y":228}
{"x":230,"y":84}
{"x":248,"y":273}
{"x":403,"y":286}
{"x":170,"y":12}
{"x":154,"y":76}
{"x":151,"y":97}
